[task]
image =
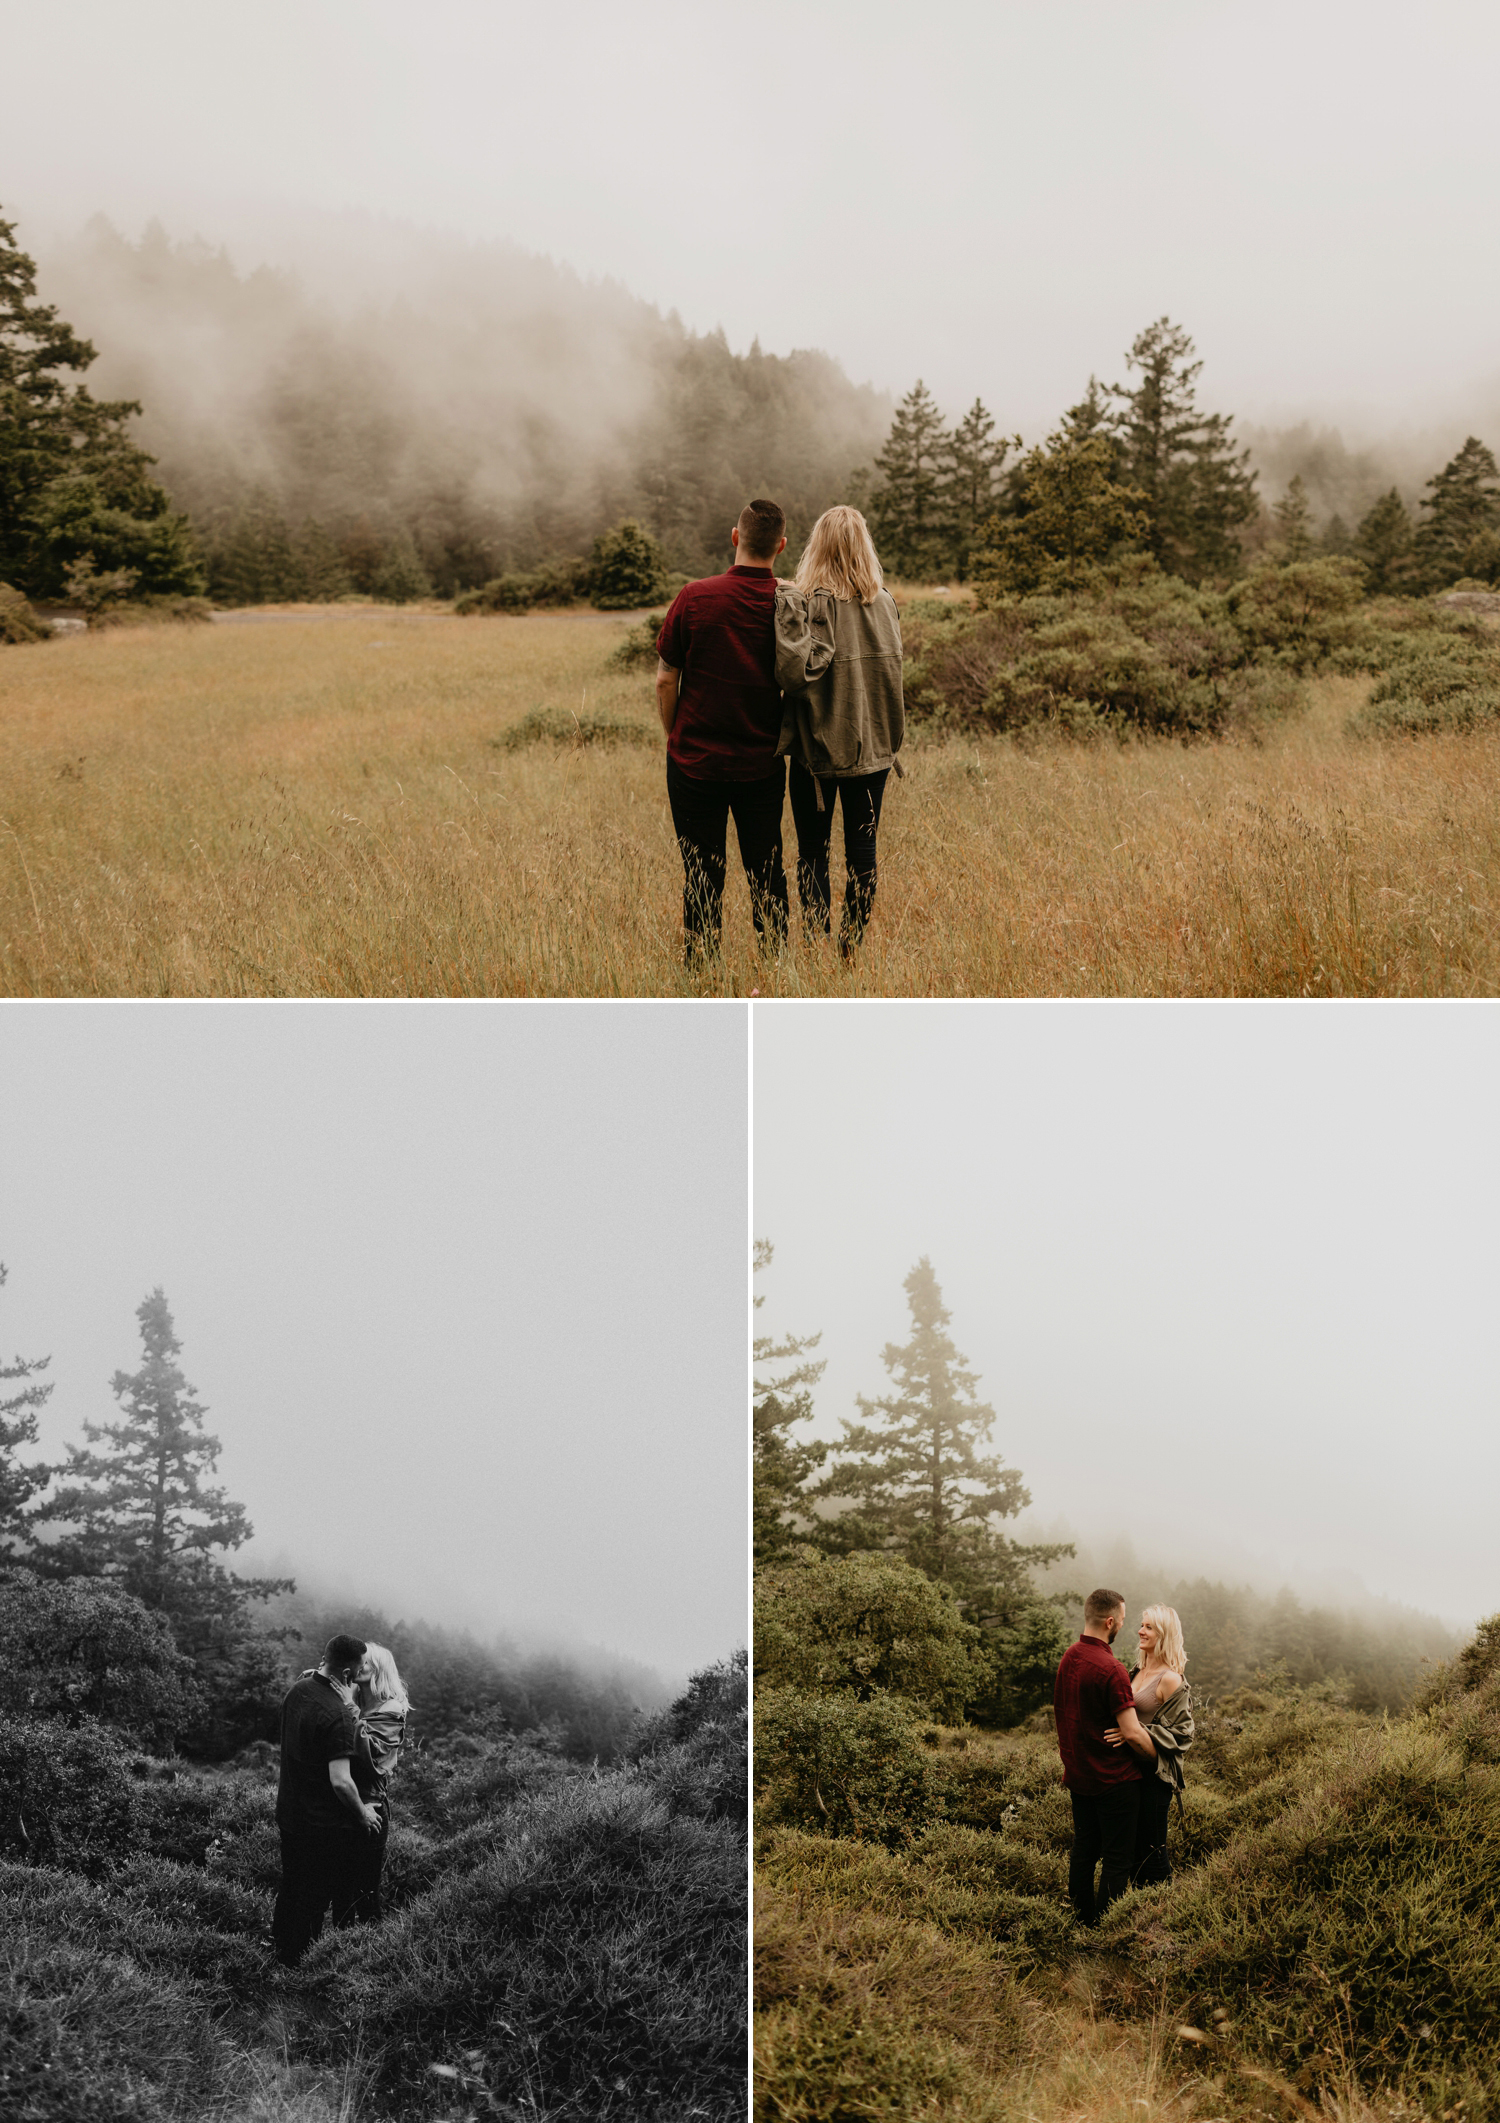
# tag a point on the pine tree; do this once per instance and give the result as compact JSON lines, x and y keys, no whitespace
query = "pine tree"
{"x":971,"y":485}
{"x":1293,"y":515}
{"x":18,"y":1419}
{"x":135,"y":1506}
{"x":1068,"y":515}
{"x":72,"y":483}
{"x":782,"y":1466}
{"x":1464,"y":508}
{"x":1383,"y":540}
{"x":910,"y":521}
{"x":1197,"y":490}
{"x":918,"y":1482}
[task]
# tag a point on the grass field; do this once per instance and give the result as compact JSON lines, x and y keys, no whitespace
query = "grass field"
{"x":328,"y":806}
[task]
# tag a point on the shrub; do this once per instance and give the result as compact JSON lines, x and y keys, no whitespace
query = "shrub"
{"x":695,"y":1755}
{"x":69,"y":1799}
{"x":555,"y":583}
{"x":18,"y":622}
{"x":842,"y":1767}
{"x":83,"y":1648}
{"x":627,"y":568}
{"x":867,"y":1625}
{"x":639,"y":645}
{"x":1303,"y":614}
{"x":1431,"y":692}
{"x":593,"y":1964}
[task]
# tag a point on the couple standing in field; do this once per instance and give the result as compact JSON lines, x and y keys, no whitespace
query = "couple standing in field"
{"x":343,"y":1725}
{"x":751,"y":672}
{"x":1122,"y":1736}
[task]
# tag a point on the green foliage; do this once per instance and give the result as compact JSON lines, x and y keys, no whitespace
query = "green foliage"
{"x":18,"y":622}
{"x":916,"y":1479}
{"x":72,"y":483}
{"x":1430,"y":693}
{"x":69,"y":1799}
{"x":1384,"y":540}
{"x":841,"y":1766}
{"x":401,"y":578}
{"x":910,"y":518}
{"x":868,"y":1625}
{"x":1196,"y":490}
{"x":627,"y":568}
{"x":1302,"y":614}
{"x":558,"y":583}
{"x":1070,"y":515}
{"x":695,"y":1755}
{"x":637,"y":650}
{"x":27,"y":1394}
{"x":1463,"y":517}
{"x":782,"y":1466}
{"x":1293,"y":514}
{"x":86,"y":1649}
{"x":975,"y":457}
{"x":1024,"y":1653}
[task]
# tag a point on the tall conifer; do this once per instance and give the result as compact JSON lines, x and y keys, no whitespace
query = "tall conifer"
{"x":18,"y":1419}
{"x":1198,"y":489}
{"x":911,"y":525}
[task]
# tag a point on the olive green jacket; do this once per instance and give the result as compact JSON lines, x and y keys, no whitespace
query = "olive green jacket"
{"x":1171,"y":1731}
{"x":838,"y":664}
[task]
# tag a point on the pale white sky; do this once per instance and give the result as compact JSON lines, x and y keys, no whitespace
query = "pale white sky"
{"x":996,"y":196}
{"x":1228,"y":1271}
{"x":463,"y":1288}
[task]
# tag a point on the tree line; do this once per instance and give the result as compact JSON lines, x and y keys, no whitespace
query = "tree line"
{"x":117,"y":1599}
{"x":883,"y":1570}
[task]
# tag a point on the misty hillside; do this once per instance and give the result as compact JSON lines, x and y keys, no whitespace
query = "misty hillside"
{"x":490,"y":406}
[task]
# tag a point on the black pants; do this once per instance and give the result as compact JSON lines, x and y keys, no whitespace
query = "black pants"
{"x":1103,"y":1835}
{"x":319,"y":1872}
{"x":368,"y":1907}
{"x":860,"y":795}
{"x":701,"y":811}
{"x":1152,"y":1861}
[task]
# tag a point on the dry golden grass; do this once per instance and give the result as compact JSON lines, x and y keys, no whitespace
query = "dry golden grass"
{"x":322,"y":806}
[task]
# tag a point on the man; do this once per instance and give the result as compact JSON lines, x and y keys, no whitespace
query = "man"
{"x":319,"y":1812}
{"x":1092,"y":1696}
{"x":720,"y":706}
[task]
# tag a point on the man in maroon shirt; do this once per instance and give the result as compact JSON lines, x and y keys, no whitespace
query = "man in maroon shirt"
{"x":721,"y":709}
{"x":1092,"y":1696}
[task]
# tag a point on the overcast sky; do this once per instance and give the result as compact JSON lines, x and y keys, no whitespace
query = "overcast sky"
{"x":462,"y":1286}
{"x":1228,"y":1271}
{"x":995,"y":197}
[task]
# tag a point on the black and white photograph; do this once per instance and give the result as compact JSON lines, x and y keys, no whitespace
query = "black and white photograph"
{"x":373,"y":1561}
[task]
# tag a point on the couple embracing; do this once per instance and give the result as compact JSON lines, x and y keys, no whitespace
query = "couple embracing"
{"x":343,"y":1725}
{"x":752,"y":672}
{"x":1122,"y":1735}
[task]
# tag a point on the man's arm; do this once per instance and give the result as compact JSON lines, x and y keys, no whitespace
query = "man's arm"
{"x":341,"y":1778}
{"x":1133,"y":1733}
{"x":667,"y":683}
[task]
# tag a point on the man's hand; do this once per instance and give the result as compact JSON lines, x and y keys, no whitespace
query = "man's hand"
{"x":668,"y":683}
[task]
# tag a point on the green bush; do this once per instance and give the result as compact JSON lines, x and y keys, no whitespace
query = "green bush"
{"x":67,"y":1796}
{"x":1304,"y":614}
{"x":560,"y":726}
{"x":1431,"y":692}
{"x":555,"y":583}
{"x":695,"y":1754}
{"x":82,"y":1648}
{"x":842,"y":1767}
{"x":627,"y":568}
{"x":639,"y":645}
{"x":18,"y":622}
{"x":870,"y":1625}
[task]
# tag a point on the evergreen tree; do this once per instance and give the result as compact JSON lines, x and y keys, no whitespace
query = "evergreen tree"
{"x":72,"y":483}
{"x":18,"y":1416}
{"x":782,"y":1466}
{"x":1383,"y":540}
{"x":1069,"y":515}
{"x":911,"y":525}
{"x":627,"y":568}
{"x":919,"y":1485}
{"x":971,"y":486}
{"x":1464,"y":508}
{"x":136,"y":1509}
{"x":1293,"y":515}
{"x":1337,"y":538}
{"x":1196,"y":489}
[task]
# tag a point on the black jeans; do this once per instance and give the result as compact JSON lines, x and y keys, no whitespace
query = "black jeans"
{"x":701,"y":811}
{"x":1103,"y":1829}
{"x":319,"y":1872}
{"x":369,"y":1865}
{"x":860,"y":795}
{"x":1152,"y":1861}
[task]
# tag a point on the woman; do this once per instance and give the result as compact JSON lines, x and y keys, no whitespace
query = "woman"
{"x":383,"y":1708}
{"x":838,"y":663}
{"x":1163,"y":1702}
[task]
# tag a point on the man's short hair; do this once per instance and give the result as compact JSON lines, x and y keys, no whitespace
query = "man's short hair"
{"x":343,"y":1651}
{"x":1100,"y":1605}
{"x":762,"y":528}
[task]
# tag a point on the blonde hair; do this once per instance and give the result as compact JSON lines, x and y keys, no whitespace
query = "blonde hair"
{"x":385,"y":1682}
{"x":1168,"y":1628}
{"x":840,"y":556}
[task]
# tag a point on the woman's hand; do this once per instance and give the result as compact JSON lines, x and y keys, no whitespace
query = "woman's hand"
{"x":1114,"y":1736}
